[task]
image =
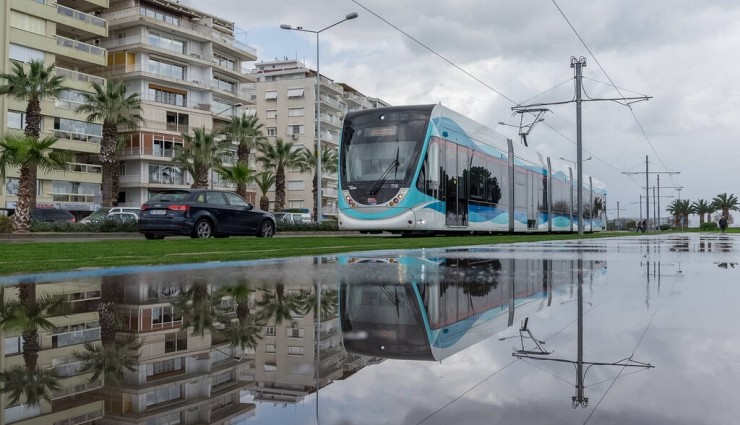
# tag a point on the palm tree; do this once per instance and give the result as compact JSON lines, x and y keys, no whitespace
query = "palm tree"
{"x":680,"y":209}
{"x":110,"y":104}
{"x":26,"y":153}
{"x":726,"y":203}
{"x":278,"y":305}
{"x":702,"y":208}
{"x":198,"y":308}
{"x":115,"y":352}
{"x":329,"y":302}
{"x":244,"y":332}
{"x":199,"y":154}
{"x":27,"y":315}
{"x":32,"y":87}
{"x":247,"y":132}
{"x":264,"y":181}
{"x":309,"y":162}
{"x":277,"y":158}
{"x":240,"y":174}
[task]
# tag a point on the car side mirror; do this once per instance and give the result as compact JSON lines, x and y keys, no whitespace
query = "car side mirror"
{"x":249,"y":207}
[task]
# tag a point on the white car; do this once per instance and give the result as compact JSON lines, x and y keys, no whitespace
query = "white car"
{"x":104,"y":212}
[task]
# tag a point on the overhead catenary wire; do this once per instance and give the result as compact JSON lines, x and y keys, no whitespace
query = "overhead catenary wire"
{"x":450,"y":62}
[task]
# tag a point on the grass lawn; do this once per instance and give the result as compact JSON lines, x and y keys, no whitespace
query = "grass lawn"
{"x":33,"y":257}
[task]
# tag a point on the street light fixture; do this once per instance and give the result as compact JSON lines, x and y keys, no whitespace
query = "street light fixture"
{"x":236,"y":105}
{"x":568,"y":160}
{"x":349,"y":16}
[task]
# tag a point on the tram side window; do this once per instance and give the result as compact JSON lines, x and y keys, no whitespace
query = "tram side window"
{"x":433,"y":170}
{"x":498,"y":190}
{"x":560,"y":197}
{"x":485,"y":178}
{"x":586,"y":203}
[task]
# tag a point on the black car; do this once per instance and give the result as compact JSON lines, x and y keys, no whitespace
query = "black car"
{"x":202,"y":213}
{"x":51,"y":215}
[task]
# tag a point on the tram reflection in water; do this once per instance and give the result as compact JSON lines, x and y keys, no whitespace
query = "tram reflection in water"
{"x":432,"y":308}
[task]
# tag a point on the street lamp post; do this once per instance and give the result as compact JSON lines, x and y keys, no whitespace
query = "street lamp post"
{"x":236,"y":105}
{"x":349,"y":16}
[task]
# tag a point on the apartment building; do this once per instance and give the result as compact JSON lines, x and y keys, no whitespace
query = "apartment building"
{"x":285,"y":96}
{"x":63,"y":33}
{"x":78,"y":399}
{"x":187,"y":67}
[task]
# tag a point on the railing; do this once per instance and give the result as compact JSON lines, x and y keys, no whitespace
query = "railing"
{"x":80,"y":46}
{"x":328,"y":83}
{"x":85,"y":168}
{"x":82,"y":16}
{"x":200,"y":28}
{"x":330,"y":119}
{"x":80,"y":137}
{"x":67,"y":104}
{"x":79,"y":76}
{"x":359,"y":100}
{"x":74,"y":338}
{"x":333,"y":102}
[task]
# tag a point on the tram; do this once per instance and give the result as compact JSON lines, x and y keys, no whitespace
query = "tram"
{"x":432,"y":308}
{"x":428,"y":169}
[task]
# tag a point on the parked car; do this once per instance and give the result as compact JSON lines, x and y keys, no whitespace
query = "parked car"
{"x":51,"y":215}
{"x":102,"y":213}
{"x":293,"y":218}
{"x":122,"y":217}
{"x":203,"y":213}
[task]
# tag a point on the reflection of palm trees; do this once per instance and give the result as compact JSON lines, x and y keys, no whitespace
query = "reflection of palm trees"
{"x":26,"y":316}
{"x":198,"y":308}
{"x":244,"y":332}
{"x":115,"y":353}
{"x":277,"y":304}
{"x":329,"y":302}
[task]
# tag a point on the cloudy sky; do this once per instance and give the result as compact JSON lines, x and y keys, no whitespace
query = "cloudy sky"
{"x":683,"y":53}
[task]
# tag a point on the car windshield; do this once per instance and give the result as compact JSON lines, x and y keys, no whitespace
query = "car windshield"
{"x":169,"y":196}
{"x":100,"y":213}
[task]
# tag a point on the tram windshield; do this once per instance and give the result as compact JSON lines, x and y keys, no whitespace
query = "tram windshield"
{"x":382,"y":151}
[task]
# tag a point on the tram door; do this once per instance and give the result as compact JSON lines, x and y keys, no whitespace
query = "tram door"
{"x":532,"y":193}
{"x":456,"y":167}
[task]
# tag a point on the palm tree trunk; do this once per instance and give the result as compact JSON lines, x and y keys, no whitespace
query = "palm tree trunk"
{"x":264,"y":203}
{"x":115,"y":179}
{"x":200,"y":179}
{"x":315,"y":192}
{"x":31,"y":347}
{"x":280,"y":189}
{"x":33,"y":129}
{"x":107,"y":160}
{"x":22,"y":215}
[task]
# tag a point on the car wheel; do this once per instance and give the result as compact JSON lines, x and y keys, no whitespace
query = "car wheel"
{"x":267,"y":229}
{"x":203,"y":229}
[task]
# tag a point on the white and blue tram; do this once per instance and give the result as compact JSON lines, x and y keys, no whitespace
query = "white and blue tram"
{"x":428,"y":169}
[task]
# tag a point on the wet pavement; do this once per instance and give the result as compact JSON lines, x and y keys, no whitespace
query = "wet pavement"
{"x":602,"y":331}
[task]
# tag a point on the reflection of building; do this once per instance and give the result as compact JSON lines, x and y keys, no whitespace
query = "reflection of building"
{"x":78,"y":400}
{"x":181,"y":378}
{"x":63,"y":33}
{"x":285,"y":359}
{"x":187,"y":67}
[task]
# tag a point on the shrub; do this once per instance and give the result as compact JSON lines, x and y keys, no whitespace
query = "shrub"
{"x":708,"y":225}
{"x":6,"y":224}
{"x":324,"y":226}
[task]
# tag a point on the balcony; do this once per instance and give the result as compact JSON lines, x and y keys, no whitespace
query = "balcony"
{"x":334,"y":103}
{"x":202,"y":29}
{"x":79,"y":76}
{"x":80,"y":137}
{"x":360,"y":101}
{"x":81,"y":51}
{"x":91,"y":24}
{"x":85,"y":168}
{"x":331,"y":120}
{"x":336,"y":88}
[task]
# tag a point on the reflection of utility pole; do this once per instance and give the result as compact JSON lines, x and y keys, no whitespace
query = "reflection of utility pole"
{"x":539,"y":353}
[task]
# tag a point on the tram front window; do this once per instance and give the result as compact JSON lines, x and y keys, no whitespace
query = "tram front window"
{"x":387,"y":153}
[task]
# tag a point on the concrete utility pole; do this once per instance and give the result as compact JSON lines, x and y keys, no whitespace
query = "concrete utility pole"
{"x":647,"y":173}
{"x":578,"y":65}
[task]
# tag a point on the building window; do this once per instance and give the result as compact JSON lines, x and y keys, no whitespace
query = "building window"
{"x":27,"y":22}
{"x":13,"y":345}
{"x":295,"y":93}
{"x":175,"y":341}
{"x":156,"y":14}
{"x":163,"y":395}
{"x":295,"y":129}
{"x":166,"y":42}
{"x":164,"y":69}
{"x":24,"y":54}
{"x":74,"y":334}
{"x":167,"y":95}
{"x":69,"y":99}
{"x":295,"y":350}
{"x":221,"y":83}
{"x":166,"y":366}
{"x":296,"y":185}
{"x":270,"y":330}
{"x":270,"y":348}
{"x":294,"y":332}
{"x":224,"y":61}
{"x":177,"y":122}
{"x":295,"y":112}
{"x":271,"y":131}
{"x":295,"y":203}
{"x":271,"y":113}
{"x":271,"y":95}
{"x":16,"y":120}
{"x":77,"y":130}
